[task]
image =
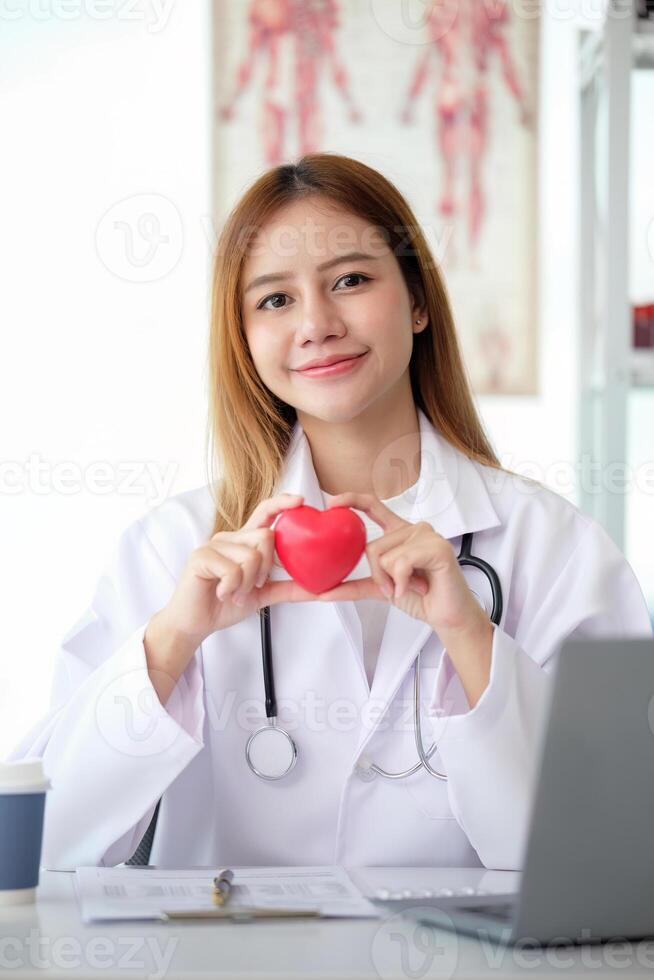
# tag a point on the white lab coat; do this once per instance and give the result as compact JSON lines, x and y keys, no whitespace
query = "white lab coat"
{"x":112,"y":750}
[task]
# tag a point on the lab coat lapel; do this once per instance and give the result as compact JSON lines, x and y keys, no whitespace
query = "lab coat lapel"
{"x":451,"y":496}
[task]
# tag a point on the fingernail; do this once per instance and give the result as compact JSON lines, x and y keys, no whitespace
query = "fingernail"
{"x":238,"y":599}
{"x":386,"y":589}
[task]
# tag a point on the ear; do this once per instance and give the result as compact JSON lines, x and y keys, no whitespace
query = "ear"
{"x":419,"y":310}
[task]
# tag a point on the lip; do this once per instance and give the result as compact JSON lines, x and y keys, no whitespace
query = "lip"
{"x":329,"y":370}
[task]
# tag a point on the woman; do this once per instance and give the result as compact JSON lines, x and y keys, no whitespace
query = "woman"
{"x":159,"y":686}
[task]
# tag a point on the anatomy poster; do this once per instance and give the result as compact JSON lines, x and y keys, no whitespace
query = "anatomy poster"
{"x":441,"y":97}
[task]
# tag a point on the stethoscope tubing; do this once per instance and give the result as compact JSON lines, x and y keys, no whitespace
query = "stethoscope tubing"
{"x":266,"y":654}
{"x":466,"y":558}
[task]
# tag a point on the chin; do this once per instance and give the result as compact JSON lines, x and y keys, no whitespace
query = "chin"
{"x":337,"y":413}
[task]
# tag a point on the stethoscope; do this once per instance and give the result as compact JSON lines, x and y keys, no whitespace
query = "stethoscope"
{"x":271,"y":753}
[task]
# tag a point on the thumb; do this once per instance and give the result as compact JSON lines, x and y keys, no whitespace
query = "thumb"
{"x":286,"y":590}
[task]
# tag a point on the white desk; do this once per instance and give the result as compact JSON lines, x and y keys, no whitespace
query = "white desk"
{"x":50,"y":937}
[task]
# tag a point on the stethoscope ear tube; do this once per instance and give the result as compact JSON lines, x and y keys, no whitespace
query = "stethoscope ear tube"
{"x":266,"y":656}
{"x":466,"y":558}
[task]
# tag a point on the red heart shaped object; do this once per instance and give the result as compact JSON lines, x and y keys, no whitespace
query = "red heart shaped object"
{"x":318,"y":548}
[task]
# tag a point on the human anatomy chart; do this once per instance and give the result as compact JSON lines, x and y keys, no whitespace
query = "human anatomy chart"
{"x":304,"y":31}
{"x":467,"y":40}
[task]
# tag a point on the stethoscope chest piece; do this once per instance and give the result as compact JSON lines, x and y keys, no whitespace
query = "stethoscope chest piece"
{"x":270,"y":752}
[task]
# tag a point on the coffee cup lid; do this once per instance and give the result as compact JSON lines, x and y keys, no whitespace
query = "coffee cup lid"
{"x":23,"y":776}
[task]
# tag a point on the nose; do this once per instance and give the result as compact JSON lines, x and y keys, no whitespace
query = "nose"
{"x":318,"y":320}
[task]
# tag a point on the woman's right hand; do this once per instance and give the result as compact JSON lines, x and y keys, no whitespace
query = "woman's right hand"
{"x":229,"y":565}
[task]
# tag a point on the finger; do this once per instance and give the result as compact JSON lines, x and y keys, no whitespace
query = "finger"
{"x":383,"y":555}
{"x":211,"y":564}
{"x":266,"y":511}
{"x":263,"y":539}
{"x":248,"y":558}
{"x":286,"y":590}
{"x":368,"y":588}
{"x":357,"y":588}
{"x":371,"y":506}
{"x":267,"y":547}
{"x":377,"y":547}
{"x":405,"y":562}
{"x":401,"y":571}
{"x":382,"y":577}
{"x":424,"y":553}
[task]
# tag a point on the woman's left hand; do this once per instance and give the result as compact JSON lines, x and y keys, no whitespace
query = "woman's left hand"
{"x":409,"y":556}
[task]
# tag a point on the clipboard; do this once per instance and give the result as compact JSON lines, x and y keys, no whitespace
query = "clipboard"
{"x":243,"y":912}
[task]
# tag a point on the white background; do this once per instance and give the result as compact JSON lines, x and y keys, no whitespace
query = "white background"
{"x":99,"y":367}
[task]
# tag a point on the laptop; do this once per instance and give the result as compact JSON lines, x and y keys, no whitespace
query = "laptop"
{"x":588,"y":868}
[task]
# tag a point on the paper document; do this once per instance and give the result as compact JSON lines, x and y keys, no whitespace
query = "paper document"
{"x":144,"y":893}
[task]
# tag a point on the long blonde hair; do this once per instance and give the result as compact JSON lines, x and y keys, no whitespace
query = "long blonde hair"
{"x":249,"y":428}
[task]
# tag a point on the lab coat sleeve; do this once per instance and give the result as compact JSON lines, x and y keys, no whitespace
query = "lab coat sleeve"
{"x":109,"y":746}
{"x":490,"y":752}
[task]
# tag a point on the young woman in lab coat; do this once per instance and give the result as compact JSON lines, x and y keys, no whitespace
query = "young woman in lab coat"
{"x":159,"y":685}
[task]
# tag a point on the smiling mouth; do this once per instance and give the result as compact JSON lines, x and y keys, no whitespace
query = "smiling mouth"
{"x":337,"y":367}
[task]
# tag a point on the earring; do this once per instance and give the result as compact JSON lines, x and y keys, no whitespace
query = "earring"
{"x":418,"y":321}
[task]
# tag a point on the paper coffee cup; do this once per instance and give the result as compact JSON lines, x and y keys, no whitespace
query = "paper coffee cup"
{"x":23,"y":787}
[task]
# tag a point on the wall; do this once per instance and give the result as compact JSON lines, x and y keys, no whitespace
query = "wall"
{"x":105,"y":372}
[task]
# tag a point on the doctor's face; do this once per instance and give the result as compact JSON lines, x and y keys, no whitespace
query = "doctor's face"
{"x":322,"y":283}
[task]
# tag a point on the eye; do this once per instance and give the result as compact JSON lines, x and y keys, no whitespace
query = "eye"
{"x":349,"y":275}
{"x":355,"y":275}
{"x":262,"y":304}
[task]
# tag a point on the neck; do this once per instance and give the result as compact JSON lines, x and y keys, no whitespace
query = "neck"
{"x":377,"y":452}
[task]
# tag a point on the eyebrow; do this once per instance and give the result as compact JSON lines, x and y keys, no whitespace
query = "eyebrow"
{"x":288,"y":274}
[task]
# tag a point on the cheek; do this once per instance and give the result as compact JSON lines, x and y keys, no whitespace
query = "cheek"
{"x":390,"y":309}
{"x":267,"y":352}
{"x":388,"y":321}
